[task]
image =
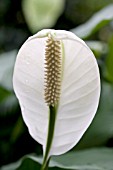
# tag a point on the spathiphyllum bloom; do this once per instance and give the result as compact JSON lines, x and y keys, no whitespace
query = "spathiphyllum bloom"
{"x":56,"y":80}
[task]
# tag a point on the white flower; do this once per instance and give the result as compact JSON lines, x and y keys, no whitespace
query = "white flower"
{"x":55,"y":68}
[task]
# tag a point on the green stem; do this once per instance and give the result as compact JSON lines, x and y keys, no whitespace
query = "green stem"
{"x":45,"y":166}
{"x":52,"y":117}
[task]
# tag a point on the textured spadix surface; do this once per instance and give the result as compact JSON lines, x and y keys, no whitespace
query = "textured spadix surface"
{"x":79,"y":95}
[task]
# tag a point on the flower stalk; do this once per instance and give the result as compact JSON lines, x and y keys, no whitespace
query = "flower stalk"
{"x":51,"y":127}
{"x":52,"y":89}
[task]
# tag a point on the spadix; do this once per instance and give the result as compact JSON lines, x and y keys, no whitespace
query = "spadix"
{"x":53,"y":64}
{"x":56,"y":70}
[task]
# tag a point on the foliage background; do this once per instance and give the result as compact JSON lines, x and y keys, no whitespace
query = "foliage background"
{"x":15,"y":27}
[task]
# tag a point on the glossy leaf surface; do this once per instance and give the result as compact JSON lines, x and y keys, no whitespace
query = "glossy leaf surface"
{"x":97,"y":21}
{"x":91,"y":159}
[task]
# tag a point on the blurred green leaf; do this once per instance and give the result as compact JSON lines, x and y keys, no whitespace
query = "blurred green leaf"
{"x":18,"y":129}
{"x":42,"y":14}
{"x":92,"y":159}
{"x":97,"y":21}
{"x":101,"y":129}
{"x":6,"y":69}
{"x":99,"y":48}
{"x":79,"y":11}
{"x":8,"y":101}
{"x":26,"y":163}
{"x":109,"y":62}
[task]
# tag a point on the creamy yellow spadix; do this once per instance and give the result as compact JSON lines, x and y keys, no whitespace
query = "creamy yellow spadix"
{"x":56,"y":70}
{"x":53,"y":55}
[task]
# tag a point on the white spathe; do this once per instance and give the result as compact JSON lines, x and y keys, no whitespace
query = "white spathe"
{"x":80,"y":89}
